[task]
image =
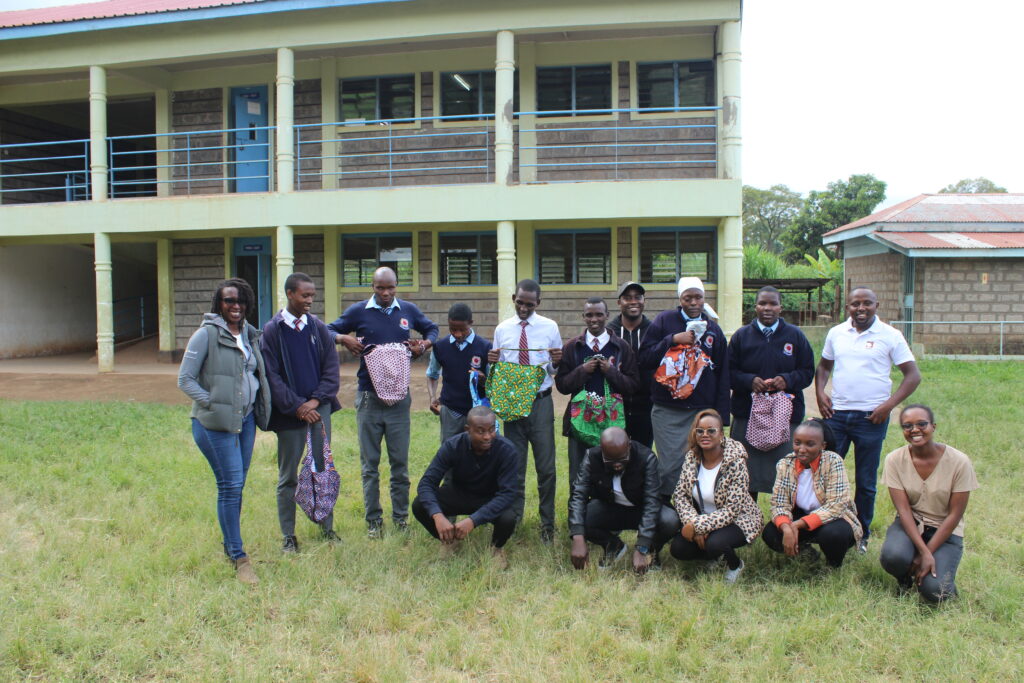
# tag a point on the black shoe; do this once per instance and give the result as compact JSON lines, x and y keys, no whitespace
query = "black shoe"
{"x":330,"y":536}
{"x":808,"y":553}
{"x":547,"y":535}
{"x":862,"y":547}
{"x":290,"y":545}
{"x":613,"y":552}
{"x":375,"y":529}
{"x":402,"y":526}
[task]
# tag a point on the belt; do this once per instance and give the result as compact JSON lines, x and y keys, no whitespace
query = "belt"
{"x":546,"y":392}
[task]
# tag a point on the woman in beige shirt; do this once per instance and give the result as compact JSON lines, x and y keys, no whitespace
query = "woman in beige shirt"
{"x":929,"y":483}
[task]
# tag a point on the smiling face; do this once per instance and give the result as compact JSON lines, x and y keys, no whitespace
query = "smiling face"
{"x":631,"y":304}
{"x":708,"y":433}
{"x":596,"y":318}
{"x":917,"y":425}
{"x":526,"y":303}
{"x":301,"y":298}
{"x":231,"y":307}
{"x":768,"y":308}
{"x":692,"y":301}
{"x":808,"y":443}
{"x":861,"y":306}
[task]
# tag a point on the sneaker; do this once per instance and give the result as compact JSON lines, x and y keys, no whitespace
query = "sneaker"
{"x":375,"y":529}
{"x":862,"y":547}
{"x":547,"y":535}
{"x":499,"y":559}
{"x":245,"y":572}
{"x":290,"y":545}
{"x":401,"y":526}
{"x":732,"y":574}
{"x":331,"y":537}
{"x":613,"y":552}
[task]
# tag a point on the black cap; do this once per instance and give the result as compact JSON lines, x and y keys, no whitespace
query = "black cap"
{"x":630,"y":285}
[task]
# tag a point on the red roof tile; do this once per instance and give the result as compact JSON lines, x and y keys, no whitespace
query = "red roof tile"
{"x":947,"y":208}
{"x":954,"y":240}
{"x":105,"y":10}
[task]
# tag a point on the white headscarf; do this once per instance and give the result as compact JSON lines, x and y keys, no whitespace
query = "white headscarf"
{"x":686,"y":283}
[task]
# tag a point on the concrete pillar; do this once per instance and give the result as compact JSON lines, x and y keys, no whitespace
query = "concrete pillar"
{"x":506,"y":268}
{"x":284,"y":262}
{"x":162,"y":101}
{"x":98,"y":167}
{"x":730,"y":140}
{"x":285,"y":120}
{"x":504,"y":81}
{"x":329,"y":114}
{"x":332,"y":256}
{"x":730,"y":284}
{"x":104,"y":302}
{"x":165,"y":299}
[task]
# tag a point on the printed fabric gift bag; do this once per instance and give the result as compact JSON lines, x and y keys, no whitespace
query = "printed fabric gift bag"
{"x":512,"y":387}
{"x":317,"y":490}
{"x":768,"y":426}
{"x":475,"y":378}
{"x":388,"y":367}
{"x":590,"y":414}
{"x":681,"y":368}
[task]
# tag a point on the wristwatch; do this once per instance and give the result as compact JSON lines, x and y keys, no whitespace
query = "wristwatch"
{"x":643,"y":550}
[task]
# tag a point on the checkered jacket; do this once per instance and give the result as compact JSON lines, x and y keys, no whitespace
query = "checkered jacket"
{"x":831,"y":487}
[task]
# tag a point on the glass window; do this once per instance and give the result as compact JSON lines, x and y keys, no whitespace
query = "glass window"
{"x":465,"y":93}
{"x":574,"y":88}
{"x":667,"y":254}
{"x":675,"y":84}
{"x":378,"y":98}
{"x":468,"y":259}
{"x":571,"y":258}
{"x":363,"y":254}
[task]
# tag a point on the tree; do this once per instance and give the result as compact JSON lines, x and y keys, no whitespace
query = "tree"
{"x":843,"y":202}
{"x":767,"y":213}
{"x":972,"y":186}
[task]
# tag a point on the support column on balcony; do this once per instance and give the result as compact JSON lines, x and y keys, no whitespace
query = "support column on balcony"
{"x":506,"y":268}
{"x":730,"y":140}
{"x":284,"y":262}
{"x":98,"y":167}
{"x":162,"y":102}
{"x":332,"y":305}
{"x":329,"y":114}
{"x":165,"y":300}
{"x":730,"y":284}
{"x":104,"y":302}
{"x":285,"y":120}
{"x":504,"y":81}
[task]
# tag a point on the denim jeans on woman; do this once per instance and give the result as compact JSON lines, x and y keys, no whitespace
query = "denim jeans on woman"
{"x":229,"y":456}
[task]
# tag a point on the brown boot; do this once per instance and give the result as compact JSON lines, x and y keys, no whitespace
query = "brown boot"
{"x":245,"y":572}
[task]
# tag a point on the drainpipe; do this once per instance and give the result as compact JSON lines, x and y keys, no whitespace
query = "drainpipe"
{"x":284,"y":255}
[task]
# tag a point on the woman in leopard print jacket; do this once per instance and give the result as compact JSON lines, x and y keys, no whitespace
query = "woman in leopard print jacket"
{"x":713,"y":497}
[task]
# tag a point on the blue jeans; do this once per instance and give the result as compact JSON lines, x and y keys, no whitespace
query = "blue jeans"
{"x":853,"y":426}
{"x":229,"y":456}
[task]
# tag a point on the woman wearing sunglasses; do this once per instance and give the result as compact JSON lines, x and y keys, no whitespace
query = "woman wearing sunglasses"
{"x":811,"y":501}
{"x":929,"y":483}
{"x":222,"y":372}
{"x":713,"y":497}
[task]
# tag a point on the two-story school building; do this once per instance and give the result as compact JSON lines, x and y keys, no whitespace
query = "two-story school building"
{"x":149,"y":150}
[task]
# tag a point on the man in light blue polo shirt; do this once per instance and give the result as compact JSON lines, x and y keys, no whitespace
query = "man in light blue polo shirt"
{"x":859,"y":355}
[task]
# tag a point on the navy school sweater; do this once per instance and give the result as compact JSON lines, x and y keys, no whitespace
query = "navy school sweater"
{"x":712,"y":391}
{"x":787,"y":354}
{"x":374,"y":326}
{"x":455,"y":367}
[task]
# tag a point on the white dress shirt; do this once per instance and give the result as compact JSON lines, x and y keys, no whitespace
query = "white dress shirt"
{"x":601,"y":340}
{"x":290,"y":319}
{"x":541,"y":333}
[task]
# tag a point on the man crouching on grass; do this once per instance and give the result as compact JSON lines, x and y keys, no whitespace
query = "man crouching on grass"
{"x":482,"y":482}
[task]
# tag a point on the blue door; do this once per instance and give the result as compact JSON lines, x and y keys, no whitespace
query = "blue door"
{"x":252,"y":264}
{"x":250,"y":140}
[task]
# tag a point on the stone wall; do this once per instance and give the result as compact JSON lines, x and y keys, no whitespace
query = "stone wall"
{"x":883,"y":273}
{"x":198,"y":267}
{"x":197,"y":110}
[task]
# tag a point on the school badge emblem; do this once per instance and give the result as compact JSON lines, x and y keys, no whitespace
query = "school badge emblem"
{"x":475,"y":361}
{"x":404,"y":322}
{"x":787,"y":349}
{"x":709,"y":340}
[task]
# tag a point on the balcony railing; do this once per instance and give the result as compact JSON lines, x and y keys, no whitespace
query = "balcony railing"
{"x":551,"y":146}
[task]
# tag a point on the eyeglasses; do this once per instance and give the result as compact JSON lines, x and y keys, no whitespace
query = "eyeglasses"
{"x":920,"y":424}
{"x":231,"y":301}
{"x":622,"y":462}
{"x":710,"y":431}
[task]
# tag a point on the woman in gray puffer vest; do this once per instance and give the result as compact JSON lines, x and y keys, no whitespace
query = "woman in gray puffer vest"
{"x":222,"y":372}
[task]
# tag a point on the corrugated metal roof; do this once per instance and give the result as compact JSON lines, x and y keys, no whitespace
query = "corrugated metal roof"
{"x":106,"y":10}
{"x":953,"y":240}
{"x":947,"y":208}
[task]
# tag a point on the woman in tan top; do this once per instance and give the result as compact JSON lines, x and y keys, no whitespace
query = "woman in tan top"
{"x":929,"y":483}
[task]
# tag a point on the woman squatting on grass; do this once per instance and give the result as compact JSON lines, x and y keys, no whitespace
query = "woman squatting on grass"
{"x":222,"y":372}
{"x":929,"y":483}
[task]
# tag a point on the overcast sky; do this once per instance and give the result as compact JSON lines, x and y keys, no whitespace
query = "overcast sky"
{"x":919,"y":93}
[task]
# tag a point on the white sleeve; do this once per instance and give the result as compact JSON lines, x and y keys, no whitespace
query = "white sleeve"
{"x":901,"y":352}
{"x":827,"y":352}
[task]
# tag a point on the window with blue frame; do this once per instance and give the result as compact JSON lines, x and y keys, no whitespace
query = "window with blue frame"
{"x":574,"y":257}
{"x":675,"y":84}
{"x":467,"y":258}
{"x":566,"y":90}
{"x":470,"y":93}
{"x":378,"y":98}
{"x":667,"y":254}
{"x":363,"y":254}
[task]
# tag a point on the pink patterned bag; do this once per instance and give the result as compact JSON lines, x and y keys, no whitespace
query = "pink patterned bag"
{"x":317,"y":491}
{"x":768,"y":426}
{"x":388,"y":367}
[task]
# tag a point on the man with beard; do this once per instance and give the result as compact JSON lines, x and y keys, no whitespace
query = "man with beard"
{"x":631,"y":325}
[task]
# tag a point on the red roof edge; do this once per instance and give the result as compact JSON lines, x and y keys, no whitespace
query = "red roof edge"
{"x":878,"y":216}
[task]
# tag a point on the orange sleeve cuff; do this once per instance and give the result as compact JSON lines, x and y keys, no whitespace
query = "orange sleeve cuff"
{"x":780,"y":520}
{"x":813,"y":521}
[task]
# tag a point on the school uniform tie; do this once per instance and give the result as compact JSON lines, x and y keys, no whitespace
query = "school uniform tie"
{"x":524,"y":355}
{"x":298,"y":325}
{"x":597,"y":347}
{"x":768,"y":332}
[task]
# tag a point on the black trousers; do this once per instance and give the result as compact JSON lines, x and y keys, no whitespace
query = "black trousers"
{"x":456,"y":502}
{"x":638,"y":424}
{"x":605,"y":521}
{"x":834,"y":538}
{"x":719,"y":542}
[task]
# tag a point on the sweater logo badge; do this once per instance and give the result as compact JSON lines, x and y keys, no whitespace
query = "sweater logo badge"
{"x":787,"y":350}
{"x":404,"y":322}
{"x":475,"y":361}
{"x":709,"y":340}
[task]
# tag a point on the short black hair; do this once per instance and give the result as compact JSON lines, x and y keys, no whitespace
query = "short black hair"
{"x":461,"y":312}
{"x":770,"y":290}
{"x":594,"y":300}
{"x":291,"y":283}
{"x":528,"y":285}
{"x":920,"y":406}
{"x":247,"y":298}
{"x":826,"y":432}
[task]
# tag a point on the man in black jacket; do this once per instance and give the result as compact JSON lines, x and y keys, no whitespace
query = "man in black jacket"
{"x":617,"y":489}
{"x":631,"y":325}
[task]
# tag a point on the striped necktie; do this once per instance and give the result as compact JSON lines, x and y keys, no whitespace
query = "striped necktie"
{"x":524,"y":355}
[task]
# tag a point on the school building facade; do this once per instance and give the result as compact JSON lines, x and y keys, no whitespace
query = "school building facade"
{"x":145,"y":155}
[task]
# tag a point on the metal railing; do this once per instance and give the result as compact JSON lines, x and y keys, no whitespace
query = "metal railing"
{"x":135,"y":317}
{"x":964,"y":338}
{"x":26,"y":168}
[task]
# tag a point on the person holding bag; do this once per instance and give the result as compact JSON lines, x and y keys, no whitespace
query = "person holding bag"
{"x":223,"y":373}
{"x":770,"y":364}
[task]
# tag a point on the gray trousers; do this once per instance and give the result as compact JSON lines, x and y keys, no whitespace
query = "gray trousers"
{"x":671,"y":431}
{"x":375,"y":420}
{"x":536,"y":429}
{"x":291,"y":445}
{"x":451,"y":423}
{"x":898,"y":552}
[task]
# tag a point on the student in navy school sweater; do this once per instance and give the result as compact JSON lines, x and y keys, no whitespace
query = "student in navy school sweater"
{"x":383,"y":319}
{"x":455,"y":357}
{"x":302,"y":371}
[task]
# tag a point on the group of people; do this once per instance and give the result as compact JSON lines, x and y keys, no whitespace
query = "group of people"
{"x":680,"y":383}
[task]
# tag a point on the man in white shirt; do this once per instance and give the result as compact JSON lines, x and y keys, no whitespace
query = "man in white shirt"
{"x":859,"y":354}
{"x":529,"y":338}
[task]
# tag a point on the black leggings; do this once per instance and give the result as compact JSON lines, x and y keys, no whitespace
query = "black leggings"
{"x":455,"y":502}
{"x":719,"y":542}
{"x":834,"y":538}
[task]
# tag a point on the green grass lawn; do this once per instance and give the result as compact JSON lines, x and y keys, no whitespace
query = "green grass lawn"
{"x":111,"y":568}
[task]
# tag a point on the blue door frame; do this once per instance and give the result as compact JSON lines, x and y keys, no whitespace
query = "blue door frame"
{"x":251,"y":262}
{"x":251,"y":140}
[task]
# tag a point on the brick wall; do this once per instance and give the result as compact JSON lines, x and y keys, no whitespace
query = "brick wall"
{"x":198,"y":110}
{"x":883,"y":273}
{"x":198,"y":267}
{"x":309,"y":259}
{"x":308,"y":110}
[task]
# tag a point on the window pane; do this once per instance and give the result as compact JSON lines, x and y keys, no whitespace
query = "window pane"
{"x":697,"y":255}
{"x":555,"y":259}
{"x":469,"y":259}
{"x":488,"y":260}
{"x":593,"y":87}
{"x":658,"y":257}
{"x":398,"y":97}
{"x":396,"y":253}
{"x":554,"y":88}
{"x":593,"y":258}
{"x":359,"y":260}
{"x":460,"y":93}
{"x":655,"y":85}
{"x":359,"y":99}
{"x":696,"y":84}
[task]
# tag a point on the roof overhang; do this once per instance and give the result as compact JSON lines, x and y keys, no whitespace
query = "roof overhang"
{"x":909,"y":244}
